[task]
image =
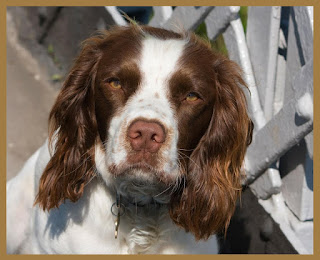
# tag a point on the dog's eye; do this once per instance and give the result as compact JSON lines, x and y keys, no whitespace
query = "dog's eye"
{"x":192,"y":97}
{"x":114,"y":83}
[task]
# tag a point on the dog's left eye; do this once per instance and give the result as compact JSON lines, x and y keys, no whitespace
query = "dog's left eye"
{"x":115,"y":83}
{"x":192,"y":96}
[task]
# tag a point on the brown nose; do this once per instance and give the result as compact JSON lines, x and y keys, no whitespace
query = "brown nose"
{"x":146,"y":136}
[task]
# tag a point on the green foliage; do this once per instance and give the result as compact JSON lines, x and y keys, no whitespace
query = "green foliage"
{"x":218,"y":44}
{"x":53,"y":56}
{"x":56,"y":77}
{"x":244,"y":17}
{"x":50,"y":49}
{"x":202,"y":30}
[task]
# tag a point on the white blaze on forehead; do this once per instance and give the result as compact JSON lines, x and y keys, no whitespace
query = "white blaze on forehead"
{"x":158,"y":61}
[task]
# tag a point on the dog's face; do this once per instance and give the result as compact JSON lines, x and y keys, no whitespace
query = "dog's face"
{"x":149,"y":104}
{"x":152,"y":105}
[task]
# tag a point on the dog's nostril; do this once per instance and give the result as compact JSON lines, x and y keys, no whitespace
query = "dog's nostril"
{"x":157,"y":138}
{"x":135,"y":135}
{"x":154,"y":138}
{"x":146,"y":136}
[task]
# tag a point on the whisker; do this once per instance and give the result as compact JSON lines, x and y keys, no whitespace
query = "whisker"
{"x":188,"y":157}
{"x":163,"y":191}
{"x":181,"y":149}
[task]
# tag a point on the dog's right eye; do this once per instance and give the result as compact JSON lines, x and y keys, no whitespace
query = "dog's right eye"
{"x":192,"y":96}
{"x":114,"y":83}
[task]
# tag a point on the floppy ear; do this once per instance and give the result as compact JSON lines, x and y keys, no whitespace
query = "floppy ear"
{"x":213,"y":181}
{"x":72,"y":132}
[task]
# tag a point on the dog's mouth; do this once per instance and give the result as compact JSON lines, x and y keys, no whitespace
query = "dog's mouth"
{"x":142,"y":159}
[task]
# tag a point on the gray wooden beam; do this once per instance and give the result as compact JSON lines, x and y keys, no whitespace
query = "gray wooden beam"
{"x":187,"y":17}
{"x":219,"y":19}
{"x":263,"y":39}
{"x":284,"y":130}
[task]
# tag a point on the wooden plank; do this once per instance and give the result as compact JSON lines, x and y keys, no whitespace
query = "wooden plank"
{"x":297,"y":164}
{"x":161,"y":15}
{"x":115,"y":16}
{"x":262,"y":40}
{"x":235,"y":41}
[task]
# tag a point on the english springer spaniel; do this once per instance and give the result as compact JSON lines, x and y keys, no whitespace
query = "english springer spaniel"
{"x":145,"y":152}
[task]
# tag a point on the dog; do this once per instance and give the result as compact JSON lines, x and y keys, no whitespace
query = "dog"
{"x":145,"y":151}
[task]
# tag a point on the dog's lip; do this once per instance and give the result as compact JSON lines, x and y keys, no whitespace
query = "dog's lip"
{"x":124,"y":168}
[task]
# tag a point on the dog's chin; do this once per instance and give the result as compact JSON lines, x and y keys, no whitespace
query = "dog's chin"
{"x":141,"y":173}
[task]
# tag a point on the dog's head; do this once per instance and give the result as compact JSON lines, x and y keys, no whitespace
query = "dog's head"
{"x":158,"y":106}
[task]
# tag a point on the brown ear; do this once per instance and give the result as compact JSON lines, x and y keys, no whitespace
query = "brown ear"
{"x":213,"y":181}
{"x":73,"y":130}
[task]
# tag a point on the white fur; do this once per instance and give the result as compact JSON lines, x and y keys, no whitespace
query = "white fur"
{"x":87,"y":226}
